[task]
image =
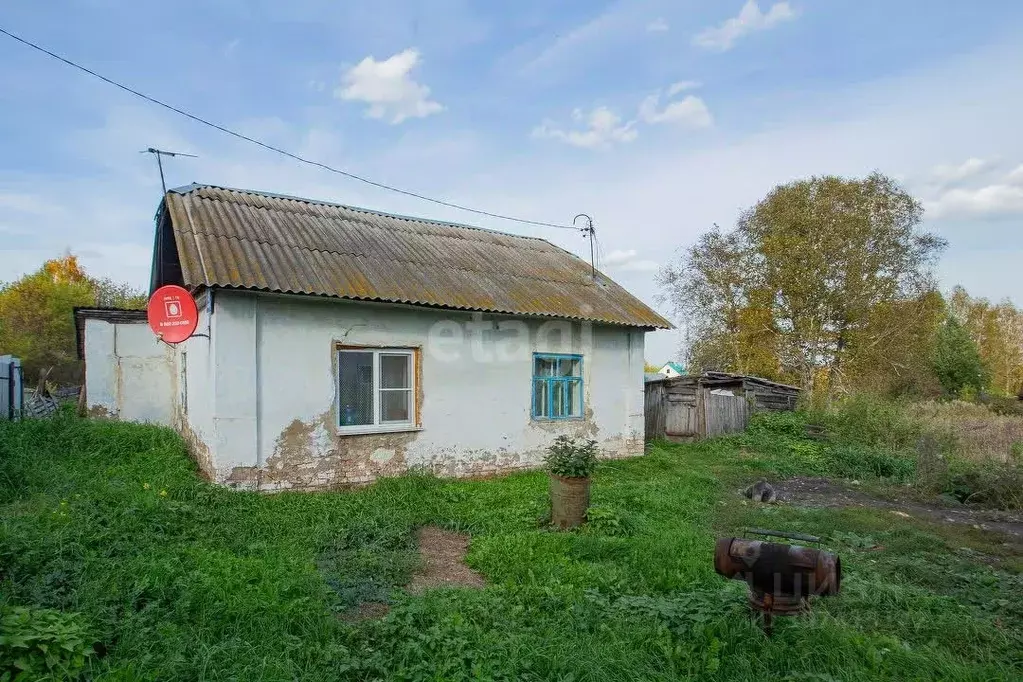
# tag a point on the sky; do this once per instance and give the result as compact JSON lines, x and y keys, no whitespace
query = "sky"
{"x":658,"y":118}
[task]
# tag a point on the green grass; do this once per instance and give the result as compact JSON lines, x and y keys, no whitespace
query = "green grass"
{"x":109,"y":527}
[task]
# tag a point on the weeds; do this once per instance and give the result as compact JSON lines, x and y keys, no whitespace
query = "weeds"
{"x":41,"y":643}
{"x":959,"y":449}
{"x":207,"y":583}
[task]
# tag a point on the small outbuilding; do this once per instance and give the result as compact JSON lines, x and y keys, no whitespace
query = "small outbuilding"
{"x":690,"y":407}
{"x":336,"y":345}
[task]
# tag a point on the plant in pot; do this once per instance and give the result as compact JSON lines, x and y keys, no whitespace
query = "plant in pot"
{"x":570,"y":464}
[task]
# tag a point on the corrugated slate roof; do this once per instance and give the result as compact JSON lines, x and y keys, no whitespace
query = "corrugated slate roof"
{"x":254,"y":240}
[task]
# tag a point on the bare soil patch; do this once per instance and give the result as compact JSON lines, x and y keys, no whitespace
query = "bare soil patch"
{"x":443,"y":554}
{"x":367,"y":610}
{"x":820,"y":492}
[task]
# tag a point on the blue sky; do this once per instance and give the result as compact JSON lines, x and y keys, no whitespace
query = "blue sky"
{"x":656,"y":117}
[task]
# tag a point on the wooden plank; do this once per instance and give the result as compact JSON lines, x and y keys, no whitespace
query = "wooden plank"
{"x":725,"y":414}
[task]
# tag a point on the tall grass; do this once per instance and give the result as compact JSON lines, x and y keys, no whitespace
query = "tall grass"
{"x":963,"y":450}
{"x":106,"y":530}
{"x":977,"y":432}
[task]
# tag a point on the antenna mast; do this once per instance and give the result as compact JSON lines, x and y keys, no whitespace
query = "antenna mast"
{"x":158,"y":153}
{"x":590,"y":231}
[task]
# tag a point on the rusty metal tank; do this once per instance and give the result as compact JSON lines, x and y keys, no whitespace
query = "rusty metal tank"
{"x":781,"y":577}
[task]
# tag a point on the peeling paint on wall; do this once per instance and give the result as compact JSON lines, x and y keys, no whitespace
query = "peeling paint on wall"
{"x":261,"y":396}
{"x":197,"y":448}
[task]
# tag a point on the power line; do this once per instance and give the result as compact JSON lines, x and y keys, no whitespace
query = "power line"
{"x":278,"y":150}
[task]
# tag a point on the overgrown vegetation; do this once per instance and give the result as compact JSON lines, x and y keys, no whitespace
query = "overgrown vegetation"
{"x":571,"y":458}
{"x":158,"y":575}
{"x":964,"y":451}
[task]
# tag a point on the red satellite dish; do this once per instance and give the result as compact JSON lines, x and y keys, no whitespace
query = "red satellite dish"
{"x":172,"y":313}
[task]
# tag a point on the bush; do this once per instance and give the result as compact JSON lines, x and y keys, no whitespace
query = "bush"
{"x":998,"y":485}
{"x":1012,"y":407}
{"x":39,"y":644}
{"x":570,"y":458}
{"x":873,"y":421}
{"x":609,"y":521}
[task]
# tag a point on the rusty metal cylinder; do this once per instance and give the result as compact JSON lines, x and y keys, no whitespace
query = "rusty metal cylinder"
{"x":570,"y":498}
{"x":787,"y":572}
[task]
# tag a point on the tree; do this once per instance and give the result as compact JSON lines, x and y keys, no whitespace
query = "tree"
{"x":650,"y":369}
{"x":997,"y":331}
{"x":818,"y":274}
{"x":36,"y":314}
{"x":957,"y":361}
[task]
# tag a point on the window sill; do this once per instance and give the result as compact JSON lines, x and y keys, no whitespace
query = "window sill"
{"x":370,"y":430}
{"x":558,"y":419}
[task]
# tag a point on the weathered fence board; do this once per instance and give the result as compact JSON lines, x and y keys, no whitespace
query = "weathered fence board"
{"x":725,"y":414}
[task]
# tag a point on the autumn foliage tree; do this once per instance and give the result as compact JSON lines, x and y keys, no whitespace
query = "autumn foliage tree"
{"x":816,"y":278}
{"x":36,"y":314}
{"x":997,"y":332}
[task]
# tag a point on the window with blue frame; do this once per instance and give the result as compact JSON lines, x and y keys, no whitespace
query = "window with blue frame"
{"x":557,"y":386}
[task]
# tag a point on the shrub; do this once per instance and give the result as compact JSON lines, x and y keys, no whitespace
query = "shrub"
{"x":571,"y":458}
{"x":999,"y":485}
{"x":40,"y":644}
{"x":853,"y":461}
{"x":792,"y":424}
{"x":1003,"y":405}
{"x":873,"y":421}
{"x":608,"y":521}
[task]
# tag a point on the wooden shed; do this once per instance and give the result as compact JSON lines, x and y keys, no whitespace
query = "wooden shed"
{"x":710,"y":404}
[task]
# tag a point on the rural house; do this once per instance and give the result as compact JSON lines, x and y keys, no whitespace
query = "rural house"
{"x":672,"y":369}
{"x":336,"y":345}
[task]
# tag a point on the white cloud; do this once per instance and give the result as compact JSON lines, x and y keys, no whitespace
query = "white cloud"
{"x":676,"y":88}
{"x":999,"y":197}
{"x":749,"y":20}
{"x":658,"y":25}
{"x":964,"y":171}
{"x":653,"y":198}
{"x":690,"y":111}
{"x":388,"y":88}
{"x":626,"y":261}
{"x":991,"y":201}
{"x":603,"y":127}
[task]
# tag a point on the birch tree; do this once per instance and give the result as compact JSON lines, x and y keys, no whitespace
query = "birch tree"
{"x":817,"y":273}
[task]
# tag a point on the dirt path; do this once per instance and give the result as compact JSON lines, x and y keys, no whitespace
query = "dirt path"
{"x":820,"y":492}
{"x":443,"y":554}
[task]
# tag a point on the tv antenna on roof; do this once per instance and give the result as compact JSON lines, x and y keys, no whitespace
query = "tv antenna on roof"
{"x":158,"y":153}
{"x":591,"y":232}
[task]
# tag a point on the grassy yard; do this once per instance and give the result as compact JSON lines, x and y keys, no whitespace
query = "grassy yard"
{"x":167,"y":577}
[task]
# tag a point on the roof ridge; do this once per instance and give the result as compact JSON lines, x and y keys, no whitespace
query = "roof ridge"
{"x":187,"y":189}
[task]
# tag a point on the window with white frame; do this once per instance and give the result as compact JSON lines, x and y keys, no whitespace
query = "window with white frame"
{"x":557,"y":386}
{"x":376,"y":388}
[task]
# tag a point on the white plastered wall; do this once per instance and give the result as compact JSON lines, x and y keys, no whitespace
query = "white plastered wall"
{"x":263,"y":394}
{"x":128,"y":373}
